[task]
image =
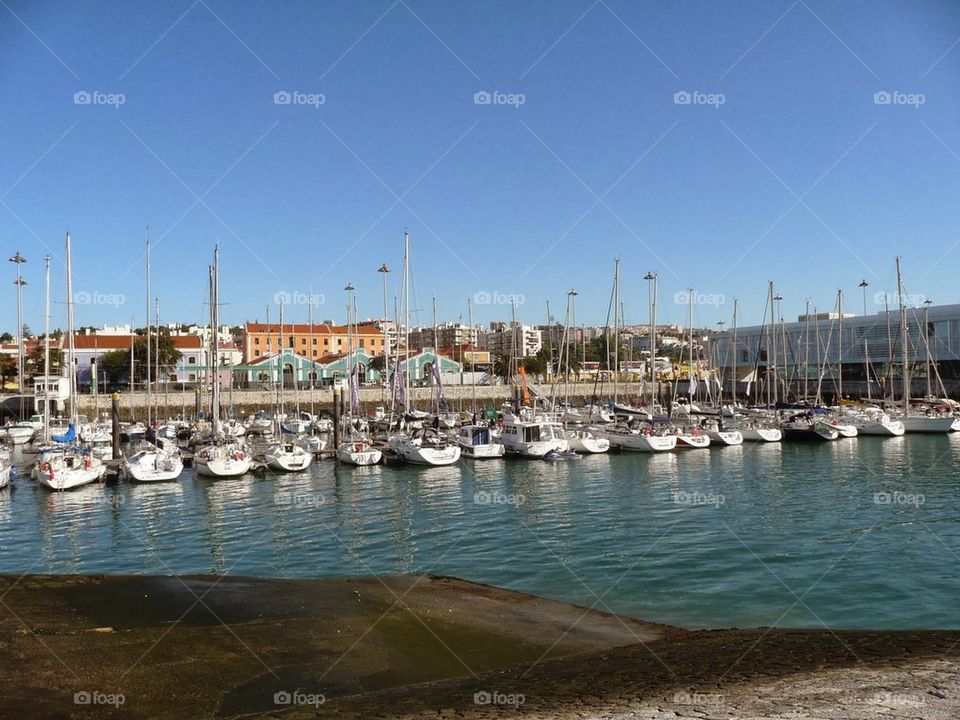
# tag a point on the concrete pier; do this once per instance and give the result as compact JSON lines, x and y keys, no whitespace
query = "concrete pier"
{"x":215,"y":647}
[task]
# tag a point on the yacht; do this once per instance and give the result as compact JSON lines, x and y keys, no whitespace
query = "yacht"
{"x":287,"y":456}
{"x":476,"y":442}
{"x":532,"y":436}
{"x":153,"y":464}
{"x":425,"y":446}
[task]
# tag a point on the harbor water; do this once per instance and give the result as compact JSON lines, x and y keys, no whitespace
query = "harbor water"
{"x":860,"y":533}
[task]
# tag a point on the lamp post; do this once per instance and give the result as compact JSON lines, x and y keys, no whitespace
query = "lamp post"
{"x":926,"y":339}
{"x":651,"y":278}
{"x":384,"y":270}
{"x":863,"y":286}
{"x":19,"y":259}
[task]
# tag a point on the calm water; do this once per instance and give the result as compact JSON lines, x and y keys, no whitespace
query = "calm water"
{"x":782,"y":534}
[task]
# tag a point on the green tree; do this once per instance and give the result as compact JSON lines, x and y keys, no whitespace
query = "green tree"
{"x":501,"y":366}
{"x":8,"y":368}
{"x":6,"y":338}
{"x":35,"y":360}
{"x":378,"y":363}
{"x":168,"y":358}
{"x":115,"y":364}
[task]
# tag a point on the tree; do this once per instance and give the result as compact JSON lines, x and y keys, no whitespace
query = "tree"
{"x":169,"y":356}
{"x":35,"y":360}
{"x":378,"y":363}
{"x":501,"y":366}
{"x":115,"y":365}
{"x":8,"y":368}
{"x":6,"y":338}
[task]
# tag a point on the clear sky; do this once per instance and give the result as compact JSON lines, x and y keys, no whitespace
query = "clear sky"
{"x":719,"y":144}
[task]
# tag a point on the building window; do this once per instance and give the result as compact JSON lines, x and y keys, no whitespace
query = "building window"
{"x":192,"y":359}
{"x":361,"y":342}
{"x":326,"y":341}
{"x":192,"y":377}
{"x":314,"y":341}
{"x":291,"y":341}
{"x":303,"y":341}
{"x":256,"y":341}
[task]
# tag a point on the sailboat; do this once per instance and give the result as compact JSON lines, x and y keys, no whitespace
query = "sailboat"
{"x":222,"y":456}
{"x":913,"y":422}
{"x":68,"y":465}
{"x":282,"y":453}
{"x":356,"y":448}
{"x":476,"y":439}
{"x":426,"y":446}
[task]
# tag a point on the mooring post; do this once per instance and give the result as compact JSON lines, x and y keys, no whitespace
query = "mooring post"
{"x":336,"y":419}
{"x":115,"y":417}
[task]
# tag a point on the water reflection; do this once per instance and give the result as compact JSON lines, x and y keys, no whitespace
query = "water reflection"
{"x":650,"y":531}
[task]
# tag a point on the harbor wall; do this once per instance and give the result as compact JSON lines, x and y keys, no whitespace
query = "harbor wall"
{"x":247,"y":401}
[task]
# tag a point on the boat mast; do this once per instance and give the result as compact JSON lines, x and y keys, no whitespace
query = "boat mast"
{"x":806,"y":351}
{"x":733,"y":388}
{"x":156,"y":324}
{"x":840,"y":345}
{"x":406,"y":315}
{"x":617,"y":310}
{"x":904,"y":348}
{"x":46,"y":354}
{"x":926,"y":343}
{"x":889,"y":373}
{"x":651,"y":278}
{"x":149,"y":351}
{"x":690,"y":386}
{"x":215,"y":339}
{"x":473,"y":379}
{"x":70,"y":338}
{"x":310,"y":374}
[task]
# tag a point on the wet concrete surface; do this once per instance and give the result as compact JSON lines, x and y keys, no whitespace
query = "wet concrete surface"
{"x":223,"y":647}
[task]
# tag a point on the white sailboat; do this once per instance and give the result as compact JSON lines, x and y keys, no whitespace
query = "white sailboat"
{"x":425,"y":446}
{"x":223,"y":456}
{"x":153,"y":464}
{"x":69,"y":465}
{"x":283,"y":454}
{"x":356,"y":448}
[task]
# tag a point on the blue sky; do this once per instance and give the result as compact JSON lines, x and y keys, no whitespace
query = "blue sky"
{"x":783,"y":166}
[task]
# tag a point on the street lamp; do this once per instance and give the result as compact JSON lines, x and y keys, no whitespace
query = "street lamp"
{"x":651,"y":278}
{"x":863,"y":286}
{"x":384,"y":270}
{"x":19,"y":282}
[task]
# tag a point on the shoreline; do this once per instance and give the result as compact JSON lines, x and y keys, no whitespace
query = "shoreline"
{"x":217,"y":646}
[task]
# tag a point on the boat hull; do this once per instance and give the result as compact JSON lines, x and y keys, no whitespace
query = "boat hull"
{"x":695,"y":442}
{"x":761,"y":434}
{"x":222,"y":467}
{"x":725,"y":437}
{"x":349,"y":453}
{"x":490,"y":451}
{"x":924,"y":424}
